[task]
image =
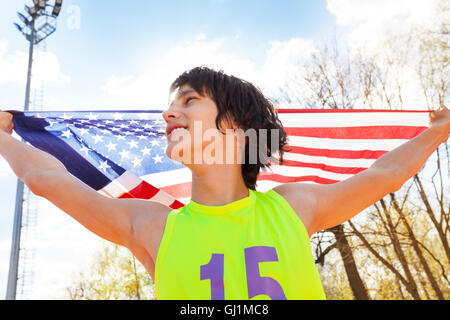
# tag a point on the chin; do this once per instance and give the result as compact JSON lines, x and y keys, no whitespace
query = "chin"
{"x":175,"y":152}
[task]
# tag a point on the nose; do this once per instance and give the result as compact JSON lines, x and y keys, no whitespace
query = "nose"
{"x":170,"y":114}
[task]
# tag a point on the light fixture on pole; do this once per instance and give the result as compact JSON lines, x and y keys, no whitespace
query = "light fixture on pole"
{"x":38,"y":24}
{"x":57,"y":8}
{"x":40,"y":19}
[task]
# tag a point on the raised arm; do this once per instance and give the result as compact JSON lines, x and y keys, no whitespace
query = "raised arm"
{"x":111,"y":219}
{"x":324,"y":206}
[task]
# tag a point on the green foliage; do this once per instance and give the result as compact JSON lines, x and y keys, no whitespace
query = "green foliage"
{"x":114,"y":275}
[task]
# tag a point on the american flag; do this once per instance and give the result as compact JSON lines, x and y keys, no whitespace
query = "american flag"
{"x":121,"y":154}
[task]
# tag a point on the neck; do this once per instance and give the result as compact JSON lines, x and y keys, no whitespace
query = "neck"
{"x":218,"y":185}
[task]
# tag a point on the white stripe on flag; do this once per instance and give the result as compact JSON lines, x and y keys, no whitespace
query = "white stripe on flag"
{"x":354,"y":119}
{"x":168,"y":178}
{"x":301,"y":172}
{"x":345,"y":144}
{"x":336,"y":162}
{"x":126,"y":182}
{"x":163,"y":197}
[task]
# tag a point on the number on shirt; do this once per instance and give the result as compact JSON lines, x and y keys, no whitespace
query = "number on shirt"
{"x":256,"y":285}
{"x":214,"y":271}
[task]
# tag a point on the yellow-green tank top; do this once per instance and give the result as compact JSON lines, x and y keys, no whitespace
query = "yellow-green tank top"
{"x":253,"y":248}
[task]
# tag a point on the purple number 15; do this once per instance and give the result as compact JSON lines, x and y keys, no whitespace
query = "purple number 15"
{"x":256,"y":284}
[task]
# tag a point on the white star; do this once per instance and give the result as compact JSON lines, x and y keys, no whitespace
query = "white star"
{"x":91,"y":117}
{"x":117,"y":116}
{"x":155,"y":143}
{"x":67,"y":134}
{"x":157,"y":159}
{"x":84,"y":131}
{"x":98,"y":138}
{"x":111,"y":146}
{"x":125,"y":154}
{"x":120,"y":138}
{"x":141,"y":137}
{"x":105,"y":131}
{"x":109,"y":122}
{"x":104,"y":165}
{"x":131,"y":122}
{"x":146,"y":151}
{"x":137,"y":162}
{"x":66,"y":117}
{"x":147,"y":126}
{"x":85,"y":149}
{"x":133,"y":144}
{"x":52,"y":123}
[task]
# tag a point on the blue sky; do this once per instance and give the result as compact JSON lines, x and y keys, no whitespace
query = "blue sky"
{"x":121,"y":39}
{"x":123,"y":54}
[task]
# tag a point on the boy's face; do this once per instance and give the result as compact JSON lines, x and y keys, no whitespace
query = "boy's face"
{"x":199,"y":140}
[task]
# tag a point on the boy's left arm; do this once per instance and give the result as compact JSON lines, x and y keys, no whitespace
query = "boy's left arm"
{"x":407,"y":159}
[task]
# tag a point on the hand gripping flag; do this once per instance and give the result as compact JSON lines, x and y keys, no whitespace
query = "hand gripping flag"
{"x":121,"y":154}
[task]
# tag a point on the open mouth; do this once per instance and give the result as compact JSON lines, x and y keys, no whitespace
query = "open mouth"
{"x":176,"y":129}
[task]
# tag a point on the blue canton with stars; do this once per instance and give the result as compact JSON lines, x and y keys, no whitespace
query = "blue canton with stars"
{"x":111,"y":141}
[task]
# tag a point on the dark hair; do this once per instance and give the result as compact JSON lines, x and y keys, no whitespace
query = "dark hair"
{"x":239,"y":102}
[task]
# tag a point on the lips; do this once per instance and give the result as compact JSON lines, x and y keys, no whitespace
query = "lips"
{"x":174,"y":126}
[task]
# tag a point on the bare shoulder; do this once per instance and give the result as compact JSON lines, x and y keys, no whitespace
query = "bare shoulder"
{"x":302,"y":197}
{"x":148,"y":226}
{"x":322,"y":206}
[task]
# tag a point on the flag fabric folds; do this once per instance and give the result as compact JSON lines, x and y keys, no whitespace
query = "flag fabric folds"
{"x":121,"y":154}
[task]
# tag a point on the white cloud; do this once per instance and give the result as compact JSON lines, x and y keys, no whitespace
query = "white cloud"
{"x":352,"y":12}
{"x":282,"y":68}
{"x":13,"y":67}
{"x":150,"y":87}
{"x":383,"y":29}
{"x":369,"y":21}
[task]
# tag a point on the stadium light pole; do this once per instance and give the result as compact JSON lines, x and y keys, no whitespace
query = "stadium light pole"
{"x":37,"y":25}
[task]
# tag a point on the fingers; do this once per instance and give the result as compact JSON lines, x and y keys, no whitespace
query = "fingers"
{"x":438,"y":110}
{"x":6,"y":124}
{"x":10,"y":128}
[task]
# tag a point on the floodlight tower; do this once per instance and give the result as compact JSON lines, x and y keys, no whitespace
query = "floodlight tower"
{"x":37,"y":24}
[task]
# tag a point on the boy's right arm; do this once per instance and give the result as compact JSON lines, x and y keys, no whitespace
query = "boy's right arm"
{"x":46,"y":176}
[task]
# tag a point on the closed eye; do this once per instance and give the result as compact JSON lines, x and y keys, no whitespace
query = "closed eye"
{"x":189,"y":99}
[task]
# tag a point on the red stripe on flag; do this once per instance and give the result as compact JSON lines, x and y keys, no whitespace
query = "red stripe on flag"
{"x":181,"y":190}
{"x":342,"y":154}
{"x":288,"y":179}
{"x":324,"y":167}
{"x":143,"y":191}
{"x":373,"y":132}
{"x":176,"y":204}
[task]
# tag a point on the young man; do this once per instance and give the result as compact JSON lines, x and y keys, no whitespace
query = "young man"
{"x":230,"y":241}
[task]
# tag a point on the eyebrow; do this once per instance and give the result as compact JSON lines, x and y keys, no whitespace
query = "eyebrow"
{"x":181,"y":94}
